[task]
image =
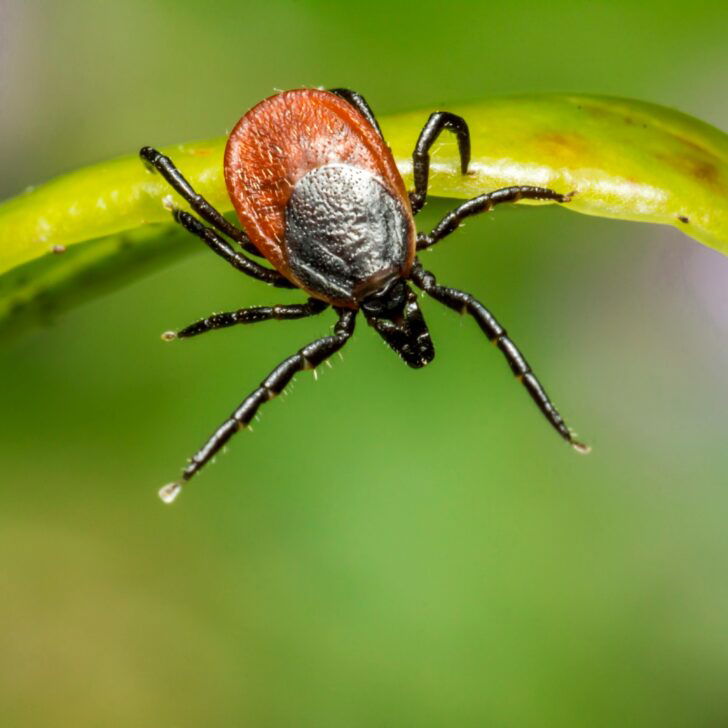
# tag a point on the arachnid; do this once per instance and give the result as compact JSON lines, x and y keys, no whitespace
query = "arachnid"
{"x":320,"y":198}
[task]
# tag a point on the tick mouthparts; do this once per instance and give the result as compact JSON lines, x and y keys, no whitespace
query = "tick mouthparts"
{"x":169,"y":492}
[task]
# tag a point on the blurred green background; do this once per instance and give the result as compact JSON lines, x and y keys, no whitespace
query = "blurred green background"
{"x":388,"y":547}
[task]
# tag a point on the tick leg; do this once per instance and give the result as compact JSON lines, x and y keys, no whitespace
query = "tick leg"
{"x":165,"y":166}
{"x":485,"y":203}
{"x":465,"y":303}
{"x":307,"y":358}
{"x":438,"y":121}
{"x":360,"y":104}
{"x":223,"y":248}
{"x":249,"y":316}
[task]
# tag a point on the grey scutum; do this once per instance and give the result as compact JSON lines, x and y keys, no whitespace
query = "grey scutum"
{"x":343,"y":228}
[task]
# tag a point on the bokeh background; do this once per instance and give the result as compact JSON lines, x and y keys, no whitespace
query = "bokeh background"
{"x":388,"y":547}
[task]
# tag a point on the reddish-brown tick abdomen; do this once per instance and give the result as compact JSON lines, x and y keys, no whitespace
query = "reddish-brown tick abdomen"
{"x":284,"y":138}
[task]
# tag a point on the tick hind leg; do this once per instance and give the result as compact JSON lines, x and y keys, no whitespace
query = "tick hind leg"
{"x":436,"y":124}
{"x":166,"y":167}
{"x":249,"y":316}
{"x":465,"y":303}
{"x":307,"y":358}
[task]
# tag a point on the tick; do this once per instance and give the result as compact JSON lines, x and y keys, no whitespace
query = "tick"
{"x":317,"y":191}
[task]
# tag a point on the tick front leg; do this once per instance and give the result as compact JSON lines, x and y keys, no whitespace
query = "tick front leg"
{"x":485,"y":203}
{"x":248,"y":316}
{"x":223,"y":248}
{"x":438,"y":121}
{"x":307,"y":358}
{"x":165,"y":166}
{"x":359,"y":103}
{"x":465,"y":303}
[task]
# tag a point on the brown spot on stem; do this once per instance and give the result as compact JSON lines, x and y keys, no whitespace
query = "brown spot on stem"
{"x":706,"y":171}
{"x":700,"y":169}
{"x":690,"y":143}
{"x":566,"y":146}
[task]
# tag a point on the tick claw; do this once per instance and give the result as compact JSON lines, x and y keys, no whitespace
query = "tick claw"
{"x":581,"y":447}
{"x":170,"y":491}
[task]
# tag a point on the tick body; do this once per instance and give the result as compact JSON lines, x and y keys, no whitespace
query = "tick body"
{"x":319,"y":195}
{"x":320,"y":198}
